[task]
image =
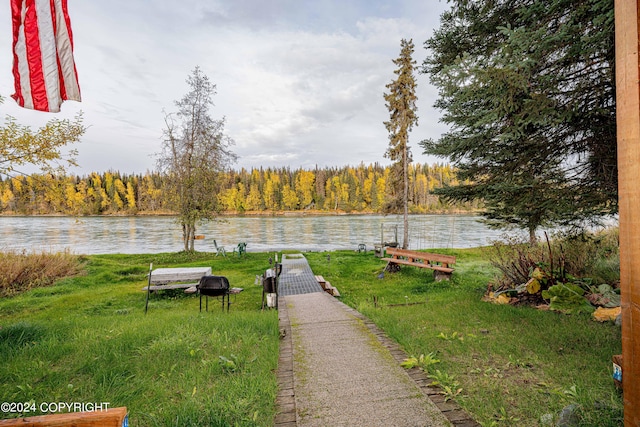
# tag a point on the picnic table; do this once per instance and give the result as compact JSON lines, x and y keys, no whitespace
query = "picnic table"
{"x":174,"y":278}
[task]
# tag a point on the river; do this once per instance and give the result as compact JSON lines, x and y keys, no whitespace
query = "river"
{"x":157,"y":234}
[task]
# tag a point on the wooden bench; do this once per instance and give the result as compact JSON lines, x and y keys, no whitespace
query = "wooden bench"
{"x":113,"y":417}
{"x":437,"y":262}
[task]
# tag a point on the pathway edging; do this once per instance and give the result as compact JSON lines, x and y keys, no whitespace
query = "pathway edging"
{"x":285,"y":399}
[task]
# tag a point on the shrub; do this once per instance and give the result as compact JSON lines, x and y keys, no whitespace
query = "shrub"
{"x":582,"y":251}
{"x":515,"y":259}
{"x":580,"y":254}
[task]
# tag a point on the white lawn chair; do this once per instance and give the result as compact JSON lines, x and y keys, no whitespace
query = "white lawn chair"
{"x":219,"y":249}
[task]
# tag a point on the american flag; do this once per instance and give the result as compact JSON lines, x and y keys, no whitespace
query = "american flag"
{"x":43,"y":67}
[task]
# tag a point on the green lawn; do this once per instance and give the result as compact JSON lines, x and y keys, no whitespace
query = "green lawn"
{"x":87,"y":339}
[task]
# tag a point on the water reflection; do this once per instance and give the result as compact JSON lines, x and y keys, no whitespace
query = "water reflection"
{"x":95,"y":235}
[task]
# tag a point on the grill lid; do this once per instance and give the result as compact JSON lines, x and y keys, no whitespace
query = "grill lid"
{"x":213,"y":285}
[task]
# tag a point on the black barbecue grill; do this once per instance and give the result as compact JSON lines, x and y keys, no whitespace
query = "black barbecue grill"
{"x":214,"y":286}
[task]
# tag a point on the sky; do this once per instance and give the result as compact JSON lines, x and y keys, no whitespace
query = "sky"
{"x":299,"y":82}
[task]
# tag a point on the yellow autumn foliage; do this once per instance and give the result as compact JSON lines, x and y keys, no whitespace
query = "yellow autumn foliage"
{"x":533,"y":286}
{"x":500,"y":299}
{"x":602,"y":314}
{"x":537,"y":274}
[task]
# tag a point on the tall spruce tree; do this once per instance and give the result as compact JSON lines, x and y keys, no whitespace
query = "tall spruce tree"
{"x":401,"y":103}
{"x":527,"y":87}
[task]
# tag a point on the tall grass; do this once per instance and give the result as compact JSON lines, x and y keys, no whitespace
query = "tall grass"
{"x":515,"y":365}
{"x":21,"y":271}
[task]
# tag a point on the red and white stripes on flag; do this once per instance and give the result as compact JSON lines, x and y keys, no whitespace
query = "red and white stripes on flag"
{"x":43,"y":67}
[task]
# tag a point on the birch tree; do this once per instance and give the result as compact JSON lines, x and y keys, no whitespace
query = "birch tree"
{"x":195,"y":152}
{"x":21,"y":146}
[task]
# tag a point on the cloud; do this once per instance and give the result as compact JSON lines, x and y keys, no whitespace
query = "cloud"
{"x":300,"y":83}
{"x":315,"y":91}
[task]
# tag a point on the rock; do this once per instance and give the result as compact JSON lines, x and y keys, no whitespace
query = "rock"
{"x":569,"y":416}
{"x":546,"y":420}
{"x":618,"y":320}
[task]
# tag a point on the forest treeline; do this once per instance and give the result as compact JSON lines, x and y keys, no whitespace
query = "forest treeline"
{"x":348,"y":189}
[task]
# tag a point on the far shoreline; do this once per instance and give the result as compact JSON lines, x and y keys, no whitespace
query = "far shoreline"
{"x":251,"y":214}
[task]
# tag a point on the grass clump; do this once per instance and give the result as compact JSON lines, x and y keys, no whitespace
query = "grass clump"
{"x":21,"y":271}
{"x":19,"y":334}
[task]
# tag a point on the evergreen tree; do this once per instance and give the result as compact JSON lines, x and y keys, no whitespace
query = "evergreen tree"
{"x":528,"y":90}
{"x":401,"y":103}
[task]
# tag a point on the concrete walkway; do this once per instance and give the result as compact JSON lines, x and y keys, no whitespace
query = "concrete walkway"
{"x":338,"y":369}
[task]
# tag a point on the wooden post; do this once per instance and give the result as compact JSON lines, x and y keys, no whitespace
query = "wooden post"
{"x":146,"y":304}
{"x":627,"y":20}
